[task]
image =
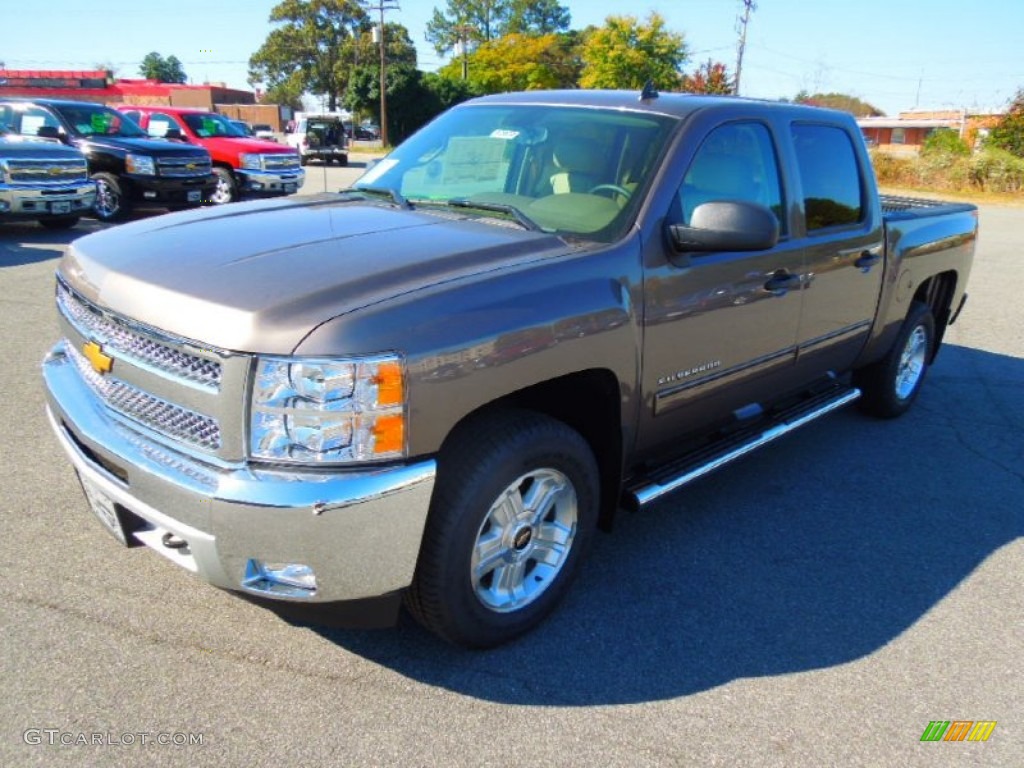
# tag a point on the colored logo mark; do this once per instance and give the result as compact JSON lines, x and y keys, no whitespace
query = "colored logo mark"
{"x":958,"y":730}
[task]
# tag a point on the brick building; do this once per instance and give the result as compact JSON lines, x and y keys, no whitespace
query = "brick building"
{"x":907,"y":132}
{"x":98,"y":86}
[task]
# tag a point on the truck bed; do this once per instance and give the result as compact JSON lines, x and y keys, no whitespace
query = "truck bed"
{"x":897,"y":207}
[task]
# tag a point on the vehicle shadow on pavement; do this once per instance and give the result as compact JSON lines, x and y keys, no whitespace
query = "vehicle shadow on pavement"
{"x":816,"y":552}
{"x":30,"y":243}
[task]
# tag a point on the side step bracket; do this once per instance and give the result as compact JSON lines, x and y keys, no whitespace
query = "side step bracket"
{"x":694,"y":466}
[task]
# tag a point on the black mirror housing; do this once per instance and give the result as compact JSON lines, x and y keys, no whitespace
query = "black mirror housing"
{"x":726,"y":225}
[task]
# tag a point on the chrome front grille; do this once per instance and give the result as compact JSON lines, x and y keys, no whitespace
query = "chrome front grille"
{"x":43,"y":172}
{"x":281,"y":161}
{"x":190,"y":166}
{"x":149,"y":411}
{"x":142,"y":349}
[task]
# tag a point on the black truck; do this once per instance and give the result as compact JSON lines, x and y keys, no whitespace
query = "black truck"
{"x":129,"y":167}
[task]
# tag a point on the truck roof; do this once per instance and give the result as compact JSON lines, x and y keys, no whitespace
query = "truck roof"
{"x":672,"y":104}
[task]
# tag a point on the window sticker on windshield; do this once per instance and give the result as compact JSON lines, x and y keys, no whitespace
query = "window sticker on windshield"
{"x":474,"y":158}
{"x":504,"y":133}
{"x":377,"y":171}
{"x":209,"y":127}
{"x":98,"y":122}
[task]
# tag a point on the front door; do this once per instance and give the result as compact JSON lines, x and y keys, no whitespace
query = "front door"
{"x":722,"y":329}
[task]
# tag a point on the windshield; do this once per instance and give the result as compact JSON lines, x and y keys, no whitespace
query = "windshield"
{"x":577,"y":171}
{"x":209,"y":125}
{"x":97,"y":120}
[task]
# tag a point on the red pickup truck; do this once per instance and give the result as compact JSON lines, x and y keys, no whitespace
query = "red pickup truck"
{"x":244,"y":165}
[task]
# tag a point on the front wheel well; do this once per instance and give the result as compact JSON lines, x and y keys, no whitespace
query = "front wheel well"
{"x":589,"y":402}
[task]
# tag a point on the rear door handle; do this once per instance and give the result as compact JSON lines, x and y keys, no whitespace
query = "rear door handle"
{"x":867,"y":260}
{"x":782,"y":281}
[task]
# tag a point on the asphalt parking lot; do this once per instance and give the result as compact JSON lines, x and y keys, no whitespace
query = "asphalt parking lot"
{"x":816,"y":604}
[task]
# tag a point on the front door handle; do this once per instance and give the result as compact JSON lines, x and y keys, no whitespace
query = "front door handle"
{"x":782,"y":281}
{"x":867,"y":260}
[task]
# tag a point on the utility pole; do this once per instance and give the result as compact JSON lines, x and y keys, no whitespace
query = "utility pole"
{"x":749,"y":6}
{"x":384,"y":5}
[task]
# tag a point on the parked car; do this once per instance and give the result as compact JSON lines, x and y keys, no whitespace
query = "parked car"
{"x":43,"y":180}
{"x":264,"y":131}
{"x":541,"y":308}
{"x":367,"y":131}
{"x":244,"y":166}
{"x":129,"y":168}
{"x":320,"y":137}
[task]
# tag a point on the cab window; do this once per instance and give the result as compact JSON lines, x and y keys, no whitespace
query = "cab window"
{"x":829,"y":175}
{"x":735,"y":162}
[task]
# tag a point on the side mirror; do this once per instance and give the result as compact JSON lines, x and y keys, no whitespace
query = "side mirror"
{"x":174,"y":134}
{"x":726,"y":225}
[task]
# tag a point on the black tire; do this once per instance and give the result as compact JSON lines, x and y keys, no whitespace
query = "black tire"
{"x":891,"y":385}
{"x":226,"y":190}
{"x":343,"y":160}
{"x":59,"y":222}
{"x":505,"y":455}
{"x":111,"y":203}
{"x":303,"y":160}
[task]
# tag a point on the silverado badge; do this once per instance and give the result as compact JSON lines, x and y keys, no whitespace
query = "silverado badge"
{"x":100,"y":362}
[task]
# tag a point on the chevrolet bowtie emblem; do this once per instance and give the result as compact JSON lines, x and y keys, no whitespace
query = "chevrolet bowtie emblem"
{"x":100,"y":362}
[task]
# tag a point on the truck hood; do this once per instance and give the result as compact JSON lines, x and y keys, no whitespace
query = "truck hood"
{"x":156,"y":147}
{"x":233,"y":145}
{"x":258,"y":277}
{"x":17,"y":146}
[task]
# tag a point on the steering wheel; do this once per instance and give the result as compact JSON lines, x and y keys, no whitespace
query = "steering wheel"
{"x":611,"y":188}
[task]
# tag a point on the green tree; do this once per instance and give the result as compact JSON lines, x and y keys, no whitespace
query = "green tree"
{"x":1008,"y":133}
{"x":709,"y":77}
{"x":522,"y":63}
{"x":625,"y":53}
{"x":317,"y":40}
{"x":541,"y":17}
{"x":287,"y":92}
{"x":944,"y":141}
{"x":156,"y":67}
{"x":411,"y":102}
{"x":840,"y":101}
{"x":470,"y":22}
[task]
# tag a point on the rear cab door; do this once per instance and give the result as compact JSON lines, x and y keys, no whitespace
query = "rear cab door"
{"x":841,"y":227}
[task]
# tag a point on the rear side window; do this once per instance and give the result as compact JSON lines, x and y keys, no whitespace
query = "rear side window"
{"x":829,"y":175}
{"x":735,"y":162}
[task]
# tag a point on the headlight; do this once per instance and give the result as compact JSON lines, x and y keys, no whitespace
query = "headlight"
{"x":252,"y":162}
{"x":328,"y":411}
{"x":140,"y":164}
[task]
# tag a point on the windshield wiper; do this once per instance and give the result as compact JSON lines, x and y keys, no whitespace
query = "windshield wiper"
{"x":525,"y":221}
{"x":387,"y":192}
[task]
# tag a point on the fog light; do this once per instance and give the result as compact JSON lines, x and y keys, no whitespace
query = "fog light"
{"x":279,"y":579}
{"x":4,"y":206}
{"x":149,"y":195}
{"x":257,"y":185}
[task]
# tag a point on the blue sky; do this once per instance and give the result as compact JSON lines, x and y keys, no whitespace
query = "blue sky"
{"x":896,"y":54}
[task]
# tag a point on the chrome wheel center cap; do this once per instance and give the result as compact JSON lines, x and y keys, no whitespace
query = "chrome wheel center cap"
{"x":522,"y":538}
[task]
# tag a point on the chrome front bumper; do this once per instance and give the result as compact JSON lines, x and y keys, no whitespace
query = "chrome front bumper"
{"x":35,"y":201}
{"x":359,"y":531}
{"x":269,"y":181}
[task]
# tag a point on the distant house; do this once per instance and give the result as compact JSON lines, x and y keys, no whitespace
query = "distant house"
{"x":98,"y":86}
{"x":907,"y":132}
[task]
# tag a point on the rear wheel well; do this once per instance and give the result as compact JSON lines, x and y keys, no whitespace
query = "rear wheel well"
{"x":937,"y":292}
{"x":589,"y":402}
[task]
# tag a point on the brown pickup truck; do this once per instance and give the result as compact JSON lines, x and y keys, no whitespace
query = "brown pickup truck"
{"x":540,"y":310}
